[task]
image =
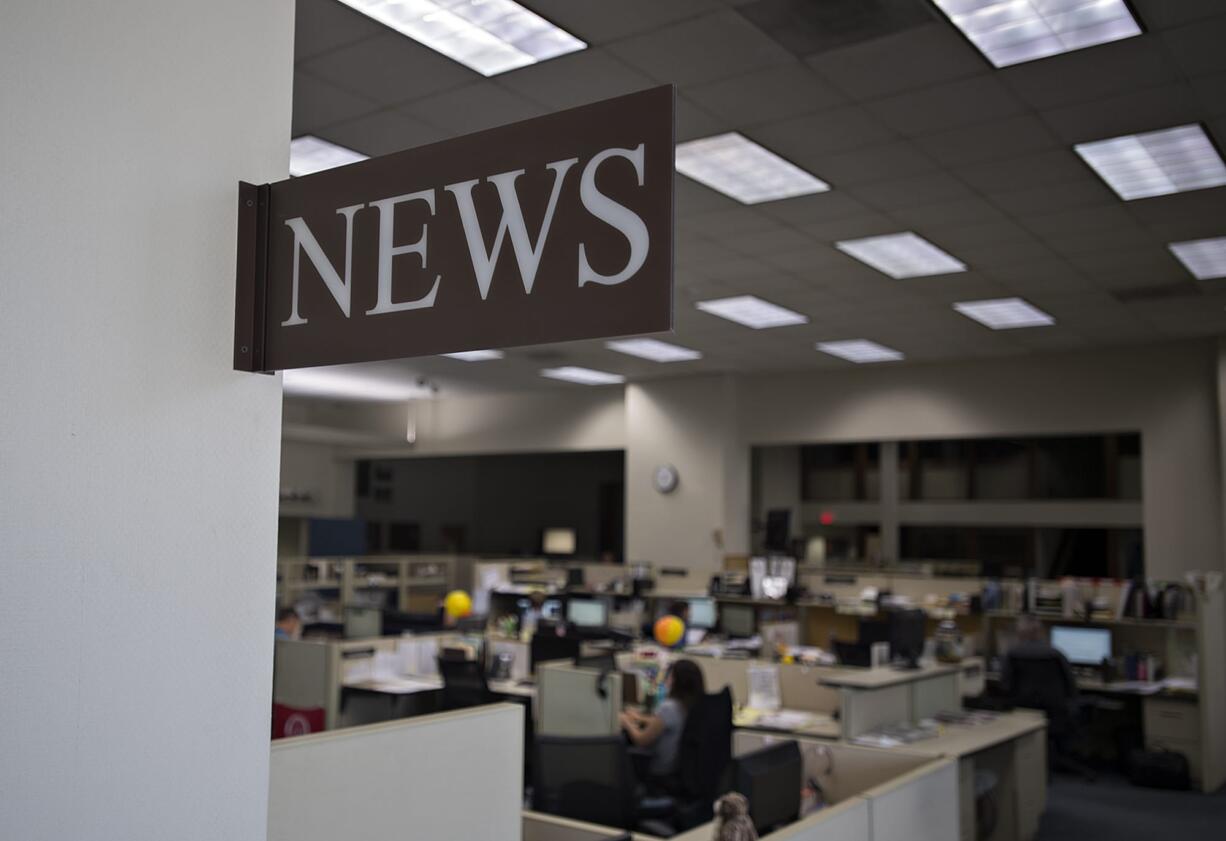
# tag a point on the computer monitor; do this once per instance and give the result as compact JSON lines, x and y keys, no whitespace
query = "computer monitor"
{"x":702,"y":614}
{"x":546,"y":647}
{"x":558,"y":541}
{"x":737,"y":620}
{"x":587,"y":613}
{"x":907,"y":630}
{"x":771,"y":779}
{"x":363,"y":622}
{"x":1082,"y":646}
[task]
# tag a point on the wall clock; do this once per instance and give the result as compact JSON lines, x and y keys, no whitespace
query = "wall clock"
{"x":665,"y":478}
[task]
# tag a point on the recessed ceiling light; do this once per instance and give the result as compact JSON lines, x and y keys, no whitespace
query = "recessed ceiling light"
{"x":489,"y":36}
{"x":1013,"y":31}
{"x":309,"y":154}
{"x":584,"y":376}
{"x":752,"y":312}
{"x":860,"y":351}
{"x":653,"y":349}
{"x":740,"y":168}
{"x":901,"y":255}
{"x":1204,"y":258}
{"x":1156,"y":163}
{"x":1005,"y":313}
{"x":476,"y":355}
{"x":348,"y":385}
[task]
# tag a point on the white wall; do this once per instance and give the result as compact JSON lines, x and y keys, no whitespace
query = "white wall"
{"x":138,"y":473}
{"x":690,"y":423}
{"x":323,"y":472}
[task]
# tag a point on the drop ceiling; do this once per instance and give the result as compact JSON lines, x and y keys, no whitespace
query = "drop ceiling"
{"x":886,"y":101}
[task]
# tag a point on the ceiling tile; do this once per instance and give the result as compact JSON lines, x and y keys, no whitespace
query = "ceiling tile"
{"x":702,"y":49}
{"x":1197,"y":47}
{"x":318,"y":103}
{"x":904,"y":61}
{"x":817,"y":207}
{"x":576,"y":79}
{"x":837,"y":130}
{"x":876,"y":163}
{"x":770,"y":94}
{"x":989,"y":141}
{"x":323,"y":25}
{"x":1082,"y":75}
{"x":913,"y":191}
{"x":382,"y":133}
{"x":1164,"y":14}
{"x":938,"y":108}
{"x":1049,"y":198}
{"x":473,"y":107}
{"x":390,"y":68}
{"x":1137,"y":111}
{"x":1024,"y":172}
{"x":599,"y":21}
{"x":953,"y":212}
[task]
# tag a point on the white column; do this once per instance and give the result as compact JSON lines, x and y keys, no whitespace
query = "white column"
{"x":138,"y":473}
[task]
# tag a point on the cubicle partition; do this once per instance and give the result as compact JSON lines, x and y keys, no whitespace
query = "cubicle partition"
{"x":419,"y":778}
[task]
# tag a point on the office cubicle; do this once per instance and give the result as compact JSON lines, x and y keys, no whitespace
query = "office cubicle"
{"x":452,"y":775}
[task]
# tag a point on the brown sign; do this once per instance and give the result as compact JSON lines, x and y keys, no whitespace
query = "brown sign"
{"x":549,"y":230}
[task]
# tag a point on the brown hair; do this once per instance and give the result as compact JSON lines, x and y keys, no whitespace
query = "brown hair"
{"x":688,"y":685}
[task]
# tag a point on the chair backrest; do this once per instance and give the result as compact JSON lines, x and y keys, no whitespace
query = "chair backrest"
{"x":463,"y":683}
{"x":705,"y":753}
{"x":1038,"y":681}
{"x":585,"y":778}
{"x":547,"y":646}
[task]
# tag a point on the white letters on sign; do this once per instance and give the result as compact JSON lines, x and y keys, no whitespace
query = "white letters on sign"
{"x":527,"y":253}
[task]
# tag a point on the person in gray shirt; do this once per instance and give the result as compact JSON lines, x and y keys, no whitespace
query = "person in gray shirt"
{"x":660,"y":732}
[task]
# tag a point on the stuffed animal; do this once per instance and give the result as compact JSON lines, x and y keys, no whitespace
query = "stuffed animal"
{"x":732,"y":819}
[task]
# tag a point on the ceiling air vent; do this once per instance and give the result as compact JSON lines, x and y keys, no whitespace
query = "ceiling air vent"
{"x":806,"y":27}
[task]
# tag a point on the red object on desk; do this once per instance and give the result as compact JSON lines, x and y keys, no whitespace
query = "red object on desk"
{"x":296,"y":721}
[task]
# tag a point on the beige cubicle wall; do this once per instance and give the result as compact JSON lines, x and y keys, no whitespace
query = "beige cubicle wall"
{"x":417,"y":777}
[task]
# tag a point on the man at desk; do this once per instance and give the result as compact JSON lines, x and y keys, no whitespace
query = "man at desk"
{"x":660,"y":733}
{"x":289,"y":624}
{"x":1032,"y":645}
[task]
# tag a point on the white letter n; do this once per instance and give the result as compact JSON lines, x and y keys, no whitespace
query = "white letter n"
{"x":304,"y":240}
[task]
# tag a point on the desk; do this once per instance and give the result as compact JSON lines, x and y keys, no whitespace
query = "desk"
{"x":873,"y":698}
{"x":1013,"y":747}
{"x":798,"y":722}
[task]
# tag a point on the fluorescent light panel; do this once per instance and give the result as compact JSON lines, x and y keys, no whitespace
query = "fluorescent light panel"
{"x":1157,"y":163}
{"x":653,"y":349}
{"x":901,"y":255}
{"x":309,"y":154}
{"x":860,"y":351}
{"x":347,"y":385}
{"x":752,"y":312}
{"x":583,"y":376}
{"x":476,"y":355}
{"x":740,"y":168}
{"x":1012,"y":31}
{"x":1005,"y":313}
{"x":1204,"y":258}
{"x":489,"y":36}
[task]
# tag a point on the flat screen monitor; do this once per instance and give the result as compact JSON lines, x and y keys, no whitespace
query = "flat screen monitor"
{"x":558,"y":541}
{"x":1082,"y":646}
{"x":702,"y":614}
{"x":363,"y":622}
{"x":907,"y":629}
{"x":587,"y":613}
{"x":737,"y":620}
{"x":771,"y":779}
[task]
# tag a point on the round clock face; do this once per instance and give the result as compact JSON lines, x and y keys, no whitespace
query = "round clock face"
{"x":666,"y":478}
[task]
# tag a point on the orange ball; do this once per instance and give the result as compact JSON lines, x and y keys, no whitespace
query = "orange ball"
{"x":669,"y":630}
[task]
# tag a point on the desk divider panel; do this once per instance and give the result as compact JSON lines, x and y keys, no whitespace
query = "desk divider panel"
{"x":919,"y":806}
{"x":570,"y":701}
{"x":455,"y":775}
{"x":303,"y":676}
{"x":865,"y":710}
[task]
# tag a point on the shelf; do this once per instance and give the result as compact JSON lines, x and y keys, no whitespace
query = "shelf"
{"x":312,"y":585}
{"x":1173,"y":624}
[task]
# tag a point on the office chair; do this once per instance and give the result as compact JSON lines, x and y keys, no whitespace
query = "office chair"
{"x":704,"y":760}
{"x":1042,"y":682}
{"x":463,"y":684}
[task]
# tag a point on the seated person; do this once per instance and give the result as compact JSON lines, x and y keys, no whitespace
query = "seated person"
{"x":660,"y":732}
{"x":1032,"y":644}
{"x":289,"y":624}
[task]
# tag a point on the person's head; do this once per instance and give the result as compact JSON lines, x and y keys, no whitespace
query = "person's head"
{"x":289,"y":622}
{"x":680,"y":609}
{"x":1029,"y":629}
{"x":685,"y":683}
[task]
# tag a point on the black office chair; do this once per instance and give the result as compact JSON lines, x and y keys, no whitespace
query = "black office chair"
{"x":463,"y":684}
{"x":586,"y":779}
{"x":1042,"y":681}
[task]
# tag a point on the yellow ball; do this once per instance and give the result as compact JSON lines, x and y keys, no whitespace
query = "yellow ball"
{"x":458,"y":604}
{"x":669,"y":630}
